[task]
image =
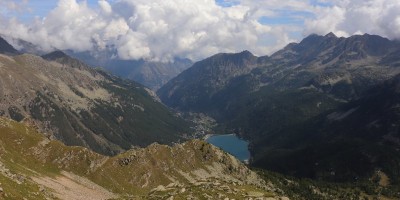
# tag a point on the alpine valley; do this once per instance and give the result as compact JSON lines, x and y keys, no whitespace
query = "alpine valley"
{"x":326,"y":108}
{"x":322,"y":118}
{"x":151,"y":74}
{"x":79,"y":105}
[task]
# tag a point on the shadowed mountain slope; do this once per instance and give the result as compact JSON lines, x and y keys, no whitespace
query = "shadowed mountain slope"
{"x":151,"y":74}
{"x":272,"y":101}
{"x":6,"y":48}
{"x":82,"y":106}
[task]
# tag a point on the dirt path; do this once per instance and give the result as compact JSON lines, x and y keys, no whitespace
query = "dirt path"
{"x":383,"y":179}
{"x":72,"y":187}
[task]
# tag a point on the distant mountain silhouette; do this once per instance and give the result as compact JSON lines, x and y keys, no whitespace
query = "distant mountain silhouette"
{"x":6,"y":48}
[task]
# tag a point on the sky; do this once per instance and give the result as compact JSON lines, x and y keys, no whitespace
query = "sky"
{"x":161,"y":30}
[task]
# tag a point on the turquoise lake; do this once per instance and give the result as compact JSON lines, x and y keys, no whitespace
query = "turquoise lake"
{"x":231,"y":144}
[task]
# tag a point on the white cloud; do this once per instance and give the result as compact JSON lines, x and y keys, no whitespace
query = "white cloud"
{"x":327,"y":21}
{"x":346,"y":18}
{"x":105,"y":6}
{"x":157,"y":30}
{"x":161,"y":30}
{"x":12,"y":5}
{"x":133,"y":46}
{"x":191,"y":28}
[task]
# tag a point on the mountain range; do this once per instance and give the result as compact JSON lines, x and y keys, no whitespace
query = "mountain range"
{"x":56,"y":98}
{"x":79,"y":105}
{"x":152,"y":74}
{"x":326,"y":108}
{"x":308,"y":110}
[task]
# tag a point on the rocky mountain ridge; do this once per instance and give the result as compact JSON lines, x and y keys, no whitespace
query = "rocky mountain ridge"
{"x":79,"y":105}
{"x":333,"y":64}
{"x":48,"y":170}
{"x":206,"y":79}
{"x":275,"y":100}
{"x":149,"y":73}
{"x":34,"y":167}
{"x":341,"y":67}
{"x":152,"y":74}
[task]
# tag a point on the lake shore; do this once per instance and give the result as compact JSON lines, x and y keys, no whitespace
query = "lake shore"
{"x":230,"y":143}
{"x":207,"y":136}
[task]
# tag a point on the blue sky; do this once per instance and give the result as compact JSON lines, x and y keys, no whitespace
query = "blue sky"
{"x":40,"y":8}
{"x":194,"y":28}
{"x":227,"y":3}
{"x":287,"y":17}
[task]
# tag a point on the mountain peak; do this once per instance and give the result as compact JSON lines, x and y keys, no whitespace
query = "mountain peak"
{"x":55,"y":55}
{"x":63,"y":58}
{"x":311,"y":39}
{"x":247,"y":55}
{"x":246,"y":52}
{"x":312,"y":35}
{"x":6,"y":48}
{"x":330,"y":34}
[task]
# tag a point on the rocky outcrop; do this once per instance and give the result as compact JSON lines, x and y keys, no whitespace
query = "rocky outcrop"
{"x":194,"y":170}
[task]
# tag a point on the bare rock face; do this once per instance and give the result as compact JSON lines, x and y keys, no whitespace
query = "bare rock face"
{"x":82,"y":106}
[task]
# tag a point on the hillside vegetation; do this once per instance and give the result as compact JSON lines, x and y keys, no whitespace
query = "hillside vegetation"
{"x":34,"y":167}
{"x":310,"y":110}
{"x":83,"y":106}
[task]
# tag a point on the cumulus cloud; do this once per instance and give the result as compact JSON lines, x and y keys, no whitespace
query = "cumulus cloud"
{"x":154,"y":30}
{"x":13,"y":5}
{"x":162,"y":30}
{"x":105,"y":6}
{"x":346,"y":18}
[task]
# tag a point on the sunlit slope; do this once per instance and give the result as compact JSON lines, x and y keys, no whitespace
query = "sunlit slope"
{"x":40,"y":167}
{"x":82,"y":106}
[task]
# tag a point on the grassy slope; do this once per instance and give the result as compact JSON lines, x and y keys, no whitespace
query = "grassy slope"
{"x":27,"y":154}
{"x":308,"y":189}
